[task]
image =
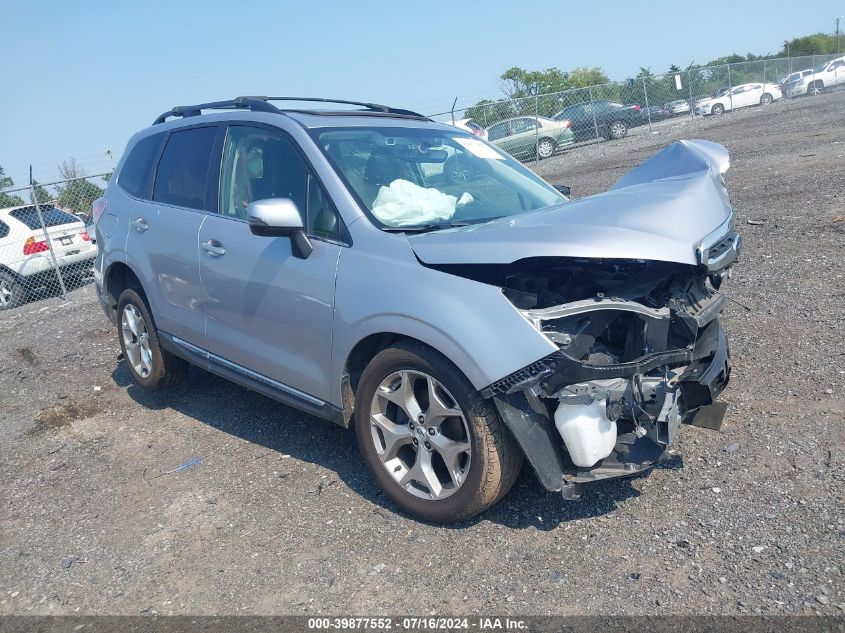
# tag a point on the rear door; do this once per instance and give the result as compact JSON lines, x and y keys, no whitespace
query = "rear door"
{"x":162,"y":242}
{"x":268,"y":312}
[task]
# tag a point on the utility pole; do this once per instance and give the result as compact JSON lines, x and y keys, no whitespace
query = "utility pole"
{"x":837,"y":33}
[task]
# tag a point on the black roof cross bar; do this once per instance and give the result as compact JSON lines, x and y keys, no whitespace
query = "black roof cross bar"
{"x":374,"y":107}
{"x":241,"y":103}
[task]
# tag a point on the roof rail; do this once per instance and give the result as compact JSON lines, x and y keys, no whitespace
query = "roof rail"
{"x":241,"y":103}
{"x":374,"y":107}
{"x":262,"y":104}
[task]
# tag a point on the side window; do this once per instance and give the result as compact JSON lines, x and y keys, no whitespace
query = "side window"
{"x":4,"y":229}
{"x":523,"y":125}
{"x":184,"y":168}
{"x":259,"y":164}
{"x":323,"y":220}
{"x":136,"y":175}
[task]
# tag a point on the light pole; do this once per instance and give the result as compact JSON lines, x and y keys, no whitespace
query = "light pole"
{"x":837,"y":33}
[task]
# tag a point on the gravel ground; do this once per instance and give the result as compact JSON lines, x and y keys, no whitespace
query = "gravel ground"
{"x":281,"y":517}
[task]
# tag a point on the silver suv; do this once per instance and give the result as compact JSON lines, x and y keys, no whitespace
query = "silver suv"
{"x":380,"y":270}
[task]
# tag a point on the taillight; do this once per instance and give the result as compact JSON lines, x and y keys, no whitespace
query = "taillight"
{"x":84,"y":235}
{"x":637,"y":108}
{"x":567,"y":123}
{"x":31,"y":246}
{"x":478,"y":132}
{"x":97,"y":208}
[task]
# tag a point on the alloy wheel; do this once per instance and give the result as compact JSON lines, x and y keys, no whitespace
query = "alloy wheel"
{"x":5,"y":293}
{"x":420,"y":434}
{"x":136,"y":341}
{"x":545,"y":148}
{"x":617,"y":130}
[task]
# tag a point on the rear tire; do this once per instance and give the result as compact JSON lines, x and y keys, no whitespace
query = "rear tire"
{"x":717,"y":109}
{"x":546,"y":148}
{"x":12,"y":291}
{"x":815,"y":88}
{"x":489,"y":459}
{"x":766,"y":99}
{"x":617,"y":130}
{"x":152,"y":367}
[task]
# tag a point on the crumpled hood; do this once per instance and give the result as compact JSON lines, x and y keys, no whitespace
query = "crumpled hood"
{"x":658,"y":211}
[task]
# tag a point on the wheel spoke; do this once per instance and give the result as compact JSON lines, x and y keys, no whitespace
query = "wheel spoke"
{"x":395,"y":436}
{"x":438,"y":410}
{"x":423,"y":473}
{"x":451,"y":451}
{"x":403,"y":396}
{"x":131,"y":319}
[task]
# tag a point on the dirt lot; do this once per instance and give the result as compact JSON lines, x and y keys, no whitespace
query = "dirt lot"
{"x":280,"y":515}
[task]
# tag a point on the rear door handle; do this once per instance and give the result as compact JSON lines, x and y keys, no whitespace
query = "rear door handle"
{"x":140,"y":225}
{"x":213,"y":248}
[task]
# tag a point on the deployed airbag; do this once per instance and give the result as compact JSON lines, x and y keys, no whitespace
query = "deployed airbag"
{"x":403,"y":203}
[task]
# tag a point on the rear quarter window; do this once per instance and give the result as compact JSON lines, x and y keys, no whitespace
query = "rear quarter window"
{"x":52,"y":217}
{"x":136,"y":175}
{"x":4,"y":229}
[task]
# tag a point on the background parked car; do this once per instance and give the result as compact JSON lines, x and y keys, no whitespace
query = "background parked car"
{"x":468,"y":125}
{"x":611,"y":119}
{"x":25,"y":260}
{"x":828,"y":75}
{"x":528,"y":136}
{"x":739,"y":96}
{"x":656,"y":113}
{"x":680,"y":106}
{"x":786,"y":83}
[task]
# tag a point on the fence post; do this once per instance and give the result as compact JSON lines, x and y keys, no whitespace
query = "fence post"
{"x":691,"y":101}
{"x":593,"y":110}
{"x":536,"y":129}
{"x":730,"y":87}
{"x":764,"y":75}
{"x":648,"y":113}
{"x":47,"y":238}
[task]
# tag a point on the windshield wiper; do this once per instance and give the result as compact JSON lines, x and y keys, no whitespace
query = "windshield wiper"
{"x":422,"y":228}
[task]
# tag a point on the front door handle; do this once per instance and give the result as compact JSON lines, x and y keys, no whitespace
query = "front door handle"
{"x":140,"y":225}
{"x":213,"y":248}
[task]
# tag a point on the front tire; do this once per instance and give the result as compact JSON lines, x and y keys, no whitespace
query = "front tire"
{"x":433,"y":444}
{"x":152,"y":367}
{"x":12,"y":291}
{"x":717,"y":109}
{"x":815,"y":88}
{"x":766,"y":99}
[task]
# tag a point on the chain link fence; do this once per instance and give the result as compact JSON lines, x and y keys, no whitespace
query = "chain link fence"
{"x":47,"y":234}
{"x":47,"y":239}
{"x":537,"y":127}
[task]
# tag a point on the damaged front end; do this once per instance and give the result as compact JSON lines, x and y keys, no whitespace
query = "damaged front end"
{"x":626,"y":285}
{"x":640,"y":350}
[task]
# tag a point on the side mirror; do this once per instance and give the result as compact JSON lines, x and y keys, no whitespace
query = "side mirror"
{"x":563,"y":189}
{"x":279,"y":217}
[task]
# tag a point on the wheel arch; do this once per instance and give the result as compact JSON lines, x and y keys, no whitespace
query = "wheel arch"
{"x":118,"y":277}
{"x":363,"y":352}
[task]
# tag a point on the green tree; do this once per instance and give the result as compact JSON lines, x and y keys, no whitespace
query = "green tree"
{"x":42,"y":196}
{"x":674,"y":69}
{"x":78,"y":195}
{"x":817,"y":44}
{"x":7,"y":199}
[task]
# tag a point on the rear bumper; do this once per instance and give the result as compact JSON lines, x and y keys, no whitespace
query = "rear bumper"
{"x":692,"y":399}
{"x":42,"y":275}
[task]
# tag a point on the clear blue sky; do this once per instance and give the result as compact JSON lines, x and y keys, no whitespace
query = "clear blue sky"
{"x":80,"y":77}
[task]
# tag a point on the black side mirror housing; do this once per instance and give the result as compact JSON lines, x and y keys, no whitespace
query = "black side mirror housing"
{"x":563,"y":189}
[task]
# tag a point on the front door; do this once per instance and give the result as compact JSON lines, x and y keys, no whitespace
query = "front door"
{"x":268,"y":311}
